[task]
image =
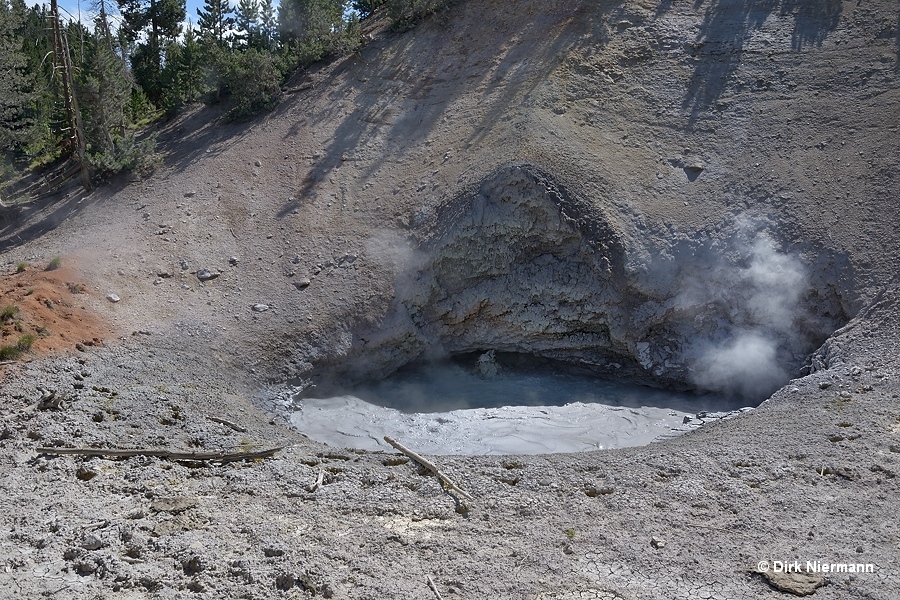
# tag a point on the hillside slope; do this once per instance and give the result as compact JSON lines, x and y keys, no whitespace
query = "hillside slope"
{"x":688,"y":194}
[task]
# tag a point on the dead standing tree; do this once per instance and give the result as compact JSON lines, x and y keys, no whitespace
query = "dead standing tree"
{"x":62,"y":63}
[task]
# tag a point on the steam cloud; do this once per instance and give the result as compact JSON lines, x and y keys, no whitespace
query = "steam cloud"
{"x":749,"y":318}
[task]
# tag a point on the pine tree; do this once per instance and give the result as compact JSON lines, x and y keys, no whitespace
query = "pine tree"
{"x":365,"y":8}
{"x":245,"y":20}
{"x":152,"y":25}
{"x":214,"y":24}
{"x":104,"y":87}
{"x":184,"y":72}
{"x":214,"y":21}
{"x":191,"y":68}
{"x":114,"y":63}
{"x":268,"y":25}
{"x":104,"y":8}
{"x":17,"y":85}
{"x":44,"y":109}
{"x":312,"y":29}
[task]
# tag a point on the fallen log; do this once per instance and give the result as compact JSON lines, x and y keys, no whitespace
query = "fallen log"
{"x":430,"y":466}
{"x":166,"y":454}
{"x":227,"y":423}
{"x":434,"y":588}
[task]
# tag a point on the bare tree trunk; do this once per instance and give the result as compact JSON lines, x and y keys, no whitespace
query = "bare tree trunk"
{"x":107,"y":35}
{"x":63,"y":60}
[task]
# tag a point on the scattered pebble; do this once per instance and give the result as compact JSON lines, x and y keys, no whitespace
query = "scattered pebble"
{"x":113,"y":298}
{"x":206,"y":275}
{"x":173,"y":504}
{"x":92,"y":542}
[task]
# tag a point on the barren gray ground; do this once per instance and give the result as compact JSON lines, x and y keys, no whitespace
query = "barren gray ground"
{"x":587,"y":181}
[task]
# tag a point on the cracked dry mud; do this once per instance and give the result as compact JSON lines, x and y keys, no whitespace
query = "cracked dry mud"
{"x":399,"y":204}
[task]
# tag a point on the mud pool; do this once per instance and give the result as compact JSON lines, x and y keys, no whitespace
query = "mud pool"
{"x":481,"y":407}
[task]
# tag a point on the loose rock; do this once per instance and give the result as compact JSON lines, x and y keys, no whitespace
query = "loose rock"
{"x":799,"y":584}
{"x":206,"y":275}
{"x":174,"y":504}
{"x":92,"y":541}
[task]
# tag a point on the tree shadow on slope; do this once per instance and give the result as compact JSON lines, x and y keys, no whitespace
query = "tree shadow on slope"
{"x":199,"y":132}
{"x":31,"y":220}
{"x":727,"y":27}
{"x":410,"y":80}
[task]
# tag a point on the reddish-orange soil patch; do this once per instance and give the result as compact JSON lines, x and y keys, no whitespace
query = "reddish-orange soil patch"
{"x":52,"y":306}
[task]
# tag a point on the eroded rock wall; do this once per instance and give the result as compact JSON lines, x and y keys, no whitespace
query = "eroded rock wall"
{"x":521,"y":265}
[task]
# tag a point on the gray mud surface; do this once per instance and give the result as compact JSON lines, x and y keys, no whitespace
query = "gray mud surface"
{"x":687,"y":194}
{"x":493,"y":407}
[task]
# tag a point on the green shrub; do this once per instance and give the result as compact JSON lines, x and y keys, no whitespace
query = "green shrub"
{"x":140,"y":110}
{"x":253,"y":83}
{"x":128,"y":154}
{"x":55,"y":263}
{"x":20,"y":268}
{"x":13,"y":351}
{"x":8,"y":313}
{"x":9,"y":352}
{"x":25,"y":342}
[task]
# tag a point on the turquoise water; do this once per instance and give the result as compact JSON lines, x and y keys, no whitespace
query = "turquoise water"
{"x":513,"y":380}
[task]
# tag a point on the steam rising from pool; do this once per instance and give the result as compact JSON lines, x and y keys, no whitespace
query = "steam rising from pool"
{"x":480,"y":407}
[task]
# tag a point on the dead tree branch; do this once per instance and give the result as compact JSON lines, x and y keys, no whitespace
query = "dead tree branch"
{"x":166,"y":454}
{"x":227,"y":423}
{"x":457,"y":491}
{"x":433,"y":587}
{"x":320,"y":481}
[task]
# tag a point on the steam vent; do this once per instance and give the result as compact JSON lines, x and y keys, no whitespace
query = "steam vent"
{"x":519,"y":264}
{"x":539,"y":300}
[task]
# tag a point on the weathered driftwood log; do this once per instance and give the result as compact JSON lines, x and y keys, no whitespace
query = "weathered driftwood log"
{"x":167,"y":454}
{"x":320,"y":481}
{"x":433,"y":587}
{"x":227,"y":423}
{"x":430,"y":466}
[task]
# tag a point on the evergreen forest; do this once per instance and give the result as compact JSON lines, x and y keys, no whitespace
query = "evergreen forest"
{"x":85,"y":93}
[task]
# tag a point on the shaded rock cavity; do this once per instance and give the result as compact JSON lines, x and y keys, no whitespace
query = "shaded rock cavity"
{"x":521,"y":265}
